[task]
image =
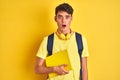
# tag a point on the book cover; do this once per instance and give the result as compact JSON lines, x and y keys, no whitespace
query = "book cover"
{"x":57,"y":59}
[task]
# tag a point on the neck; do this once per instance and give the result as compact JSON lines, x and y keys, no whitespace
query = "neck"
{"x":64,"y":32}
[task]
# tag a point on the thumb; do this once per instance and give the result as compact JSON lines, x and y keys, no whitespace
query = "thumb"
{"x":65,"y":65}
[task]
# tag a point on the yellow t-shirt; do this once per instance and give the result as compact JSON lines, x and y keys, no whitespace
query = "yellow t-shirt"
{"x":71,"y":46}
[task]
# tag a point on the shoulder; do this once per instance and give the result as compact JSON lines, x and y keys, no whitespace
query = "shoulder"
{"x":46,"y":37}
{"x":78,"y":33}
{"x":50,"y":35}
{"x":81,"y":35}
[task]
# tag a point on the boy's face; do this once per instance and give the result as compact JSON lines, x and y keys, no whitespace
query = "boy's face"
{"x":63,"y":20}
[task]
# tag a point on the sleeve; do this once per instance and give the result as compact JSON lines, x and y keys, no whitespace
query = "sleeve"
{"x":42,"y":51}
{"x":85,"y":52}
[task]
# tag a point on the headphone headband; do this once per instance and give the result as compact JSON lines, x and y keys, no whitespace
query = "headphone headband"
{"x":64,"y":36}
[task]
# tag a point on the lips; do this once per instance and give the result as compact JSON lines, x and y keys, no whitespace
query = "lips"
{"x":63,"y":25}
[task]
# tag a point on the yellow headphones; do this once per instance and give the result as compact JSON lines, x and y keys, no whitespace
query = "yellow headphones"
{"x":63,"y":36}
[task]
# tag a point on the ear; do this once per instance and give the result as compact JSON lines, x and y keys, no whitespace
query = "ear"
{"x":55,"y":18}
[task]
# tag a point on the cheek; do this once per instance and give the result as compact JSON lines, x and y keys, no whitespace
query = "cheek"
{"x":69,"y":22}
{"x":58,"y":21}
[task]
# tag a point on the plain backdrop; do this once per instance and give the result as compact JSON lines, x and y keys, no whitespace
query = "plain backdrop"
{"x":24,"y":23}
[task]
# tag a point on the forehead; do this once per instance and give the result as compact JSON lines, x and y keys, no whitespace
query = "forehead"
{"x":63,"y":13}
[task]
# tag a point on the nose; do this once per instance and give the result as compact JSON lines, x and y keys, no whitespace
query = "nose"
{"x":63,"y":20}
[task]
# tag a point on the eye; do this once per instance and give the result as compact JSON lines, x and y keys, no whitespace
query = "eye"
{"x":59,"y":16}
{"x":67,"y":16}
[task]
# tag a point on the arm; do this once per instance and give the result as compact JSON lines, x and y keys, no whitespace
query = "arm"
{"x":84,"y":69}
{"x":40,"y":68}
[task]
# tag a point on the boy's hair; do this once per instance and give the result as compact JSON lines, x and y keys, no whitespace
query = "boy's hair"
{"x":64,"y":7}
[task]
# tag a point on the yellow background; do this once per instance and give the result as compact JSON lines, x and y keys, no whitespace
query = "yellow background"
{"x":23,"y":24}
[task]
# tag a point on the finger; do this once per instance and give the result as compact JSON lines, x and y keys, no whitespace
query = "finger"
{"x":65,"y":71}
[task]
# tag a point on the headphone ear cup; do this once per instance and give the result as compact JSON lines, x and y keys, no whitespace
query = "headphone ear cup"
{"x":62,"y":36}
{"x":68,"y":36}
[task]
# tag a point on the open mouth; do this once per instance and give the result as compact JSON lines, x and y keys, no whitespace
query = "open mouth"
{"x":63,"y":25}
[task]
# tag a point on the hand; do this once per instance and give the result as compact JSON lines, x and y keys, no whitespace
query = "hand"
{"x":60,"y":70}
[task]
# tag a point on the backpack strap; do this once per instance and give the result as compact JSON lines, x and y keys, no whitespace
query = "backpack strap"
{"x":50,"y":44}
{"x":79,"y":43}
{"x":80,"y":49}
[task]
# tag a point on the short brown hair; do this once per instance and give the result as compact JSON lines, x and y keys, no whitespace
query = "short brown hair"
{"x":64,"y":7}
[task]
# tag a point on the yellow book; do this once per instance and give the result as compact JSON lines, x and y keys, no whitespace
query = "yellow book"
{"x":57,"y":59}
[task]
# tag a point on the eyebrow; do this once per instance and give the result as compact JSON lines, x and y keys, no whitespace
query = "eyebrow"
{"x":65,"y":15}
{"x":59,"y":15}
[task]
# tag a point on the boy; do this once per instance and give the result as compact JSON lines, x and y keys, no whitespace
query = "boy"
{"x":64,"y":38}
